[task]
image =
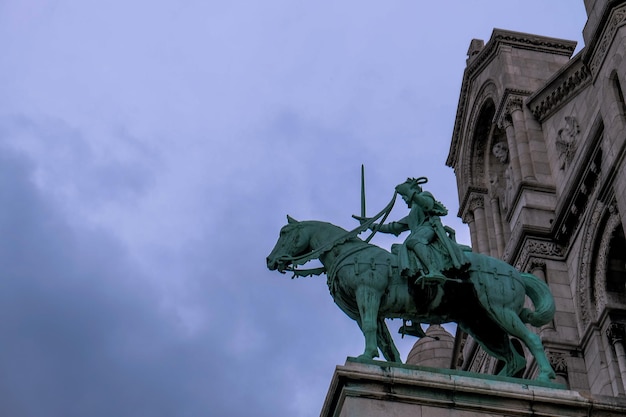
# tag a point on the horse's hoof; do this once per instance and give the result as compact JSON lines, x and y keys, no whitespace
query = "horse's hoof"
{"x":367,"y":356}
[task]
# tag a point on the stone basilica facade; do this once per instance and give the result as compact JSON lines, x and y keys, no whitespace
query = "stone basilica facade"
{"x":538,"y":151}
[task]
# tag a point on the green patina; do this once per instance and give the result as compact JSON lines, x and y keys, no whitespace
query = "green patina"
{"x":430,"y":278}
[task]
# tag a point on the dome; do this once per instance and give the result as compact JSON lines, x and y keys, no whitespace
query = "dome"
{"x":434,"y":351}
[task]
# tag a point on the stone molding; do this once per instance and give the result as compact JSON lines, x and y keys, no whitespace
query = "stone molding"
{"x":616,"y":19}
{"x":559,"y":90}
{"x":603,"y":221}
{"x":533,"y":248}
{"x":519,"y":40}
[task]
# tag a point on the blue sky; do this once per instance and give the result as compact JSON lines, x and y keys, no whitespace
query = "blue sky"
{"x":149,"y":152}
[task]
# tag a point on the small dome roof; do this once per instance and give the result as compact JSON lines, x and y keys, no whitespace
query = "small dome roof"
{"x":434,"y":351}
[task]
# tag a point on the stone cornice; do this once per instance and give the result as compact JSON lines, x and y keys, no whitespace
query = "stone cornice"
{"x":519,"y":40}
{"x":499,"y":38}
{"x":559,"y":89}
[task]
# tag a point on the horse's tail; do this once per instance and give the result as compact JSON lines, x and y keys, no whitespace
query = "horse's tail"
{"x":540,"y":295}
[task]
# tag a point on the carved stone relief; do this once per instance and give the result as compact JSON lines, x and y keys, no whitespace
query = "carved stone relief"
{"x":558,"y":360}
{"x":615,"y":333}
{"x":566,"y":143}
{"x":500,"y":176}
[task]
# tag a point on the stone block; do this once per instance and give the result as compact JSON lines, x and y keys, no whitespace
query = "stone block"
{"x":375,"y":388}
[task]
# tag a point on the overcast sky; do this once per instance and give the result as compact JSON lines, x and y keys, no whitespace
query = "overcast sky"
{"x":149,"y":152}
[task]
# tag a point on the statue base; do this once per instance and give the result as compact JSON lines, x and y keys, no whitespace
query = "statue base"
{"x":367,"y":388}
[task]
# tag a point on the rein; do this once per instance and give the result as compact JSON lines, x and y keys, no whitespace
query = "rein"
{"x":302,"y":259}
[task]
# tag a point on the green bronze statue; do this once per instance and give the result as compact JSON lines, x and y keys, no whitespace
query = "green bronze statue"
{"x":428,"y":279}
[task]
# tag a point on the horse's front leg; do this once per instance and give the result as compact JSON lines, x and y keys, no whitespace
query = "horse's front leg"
{"x":368,"y":301}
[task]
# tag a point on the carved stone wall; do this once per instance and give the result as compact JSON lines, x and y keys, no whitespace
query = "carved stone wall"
{"x":545,"y":190}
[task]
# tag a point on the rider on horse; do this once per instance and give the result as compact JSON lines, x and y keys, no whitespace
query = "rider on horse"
{"x":436,"y":256}
{"x":429,"y":255}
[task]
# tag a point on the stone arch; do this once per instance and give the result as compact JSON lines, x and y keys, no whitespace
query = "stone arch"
{"x":600,"y":231}
{"x":478,"y":133}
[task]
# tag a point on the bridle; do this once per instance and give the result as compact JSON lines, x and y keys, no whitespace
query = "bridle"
{"x":315,"y":254}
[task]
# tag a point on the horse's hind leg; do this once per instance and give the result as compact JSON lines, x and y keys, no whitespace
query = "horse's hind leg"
{"x":385,"y":342}
{"x":368,"y":301}
{"x":514,"y":325}
{"x":496,"y":342}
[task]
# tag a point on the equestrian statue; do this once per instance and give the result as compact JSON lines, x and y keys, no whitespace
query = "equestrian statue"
{"x":429,"y":278}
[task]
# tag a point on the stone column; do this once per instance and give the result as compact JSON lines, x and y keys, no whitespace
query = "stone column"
{"x":468,"y":218}
{"x":615,"y":332}
{"x":497,"y":225}
{"x":521,"y":138}
{"x":477,"y":207}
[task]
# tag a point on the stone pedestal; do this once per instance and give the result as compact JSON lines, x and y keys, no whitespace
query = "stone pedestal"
{"x":376,"y":388}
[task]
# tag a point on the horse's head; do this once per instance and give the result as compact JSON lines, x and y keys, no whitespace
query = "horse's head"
{"x":293,"y":241}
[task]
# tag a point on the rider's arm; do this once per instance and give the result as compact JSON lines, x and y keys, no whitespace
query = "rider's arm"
{"x":394,"y":227}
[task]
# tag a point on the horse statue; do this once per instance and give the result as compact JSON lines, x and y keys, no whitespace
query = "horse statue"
{"x":365,"y":282}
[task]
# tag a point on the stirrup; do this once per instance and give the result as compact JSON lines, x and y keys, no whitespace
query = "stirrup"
{"x":434,"y":279}
{"x":430,"y":279}
{"x":411,"y":330}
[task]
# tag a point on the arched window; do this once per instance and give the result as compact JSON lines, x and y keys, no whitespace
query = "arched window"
{"x":619,"y":93}
{"x":480,"y":141}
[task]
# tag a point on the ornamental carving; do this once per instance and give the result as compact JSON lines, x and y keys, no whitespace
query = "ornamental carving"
{"x":558,"y":360}
{"x":584,"y":277}
{"x":478,"y":362}
{"x":602,"y":261}
{"x":476,"y":202}
{"x":552,"y":98}
{"x":566,"y":143}
{"x":617,"y":18}
{"x":514,"y":103}
{"x":615,"y":333}
{"x":540,"y":248}
{"x":596,"y":245}
{"x":505,"y":121}
{"x":536,"y":264}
